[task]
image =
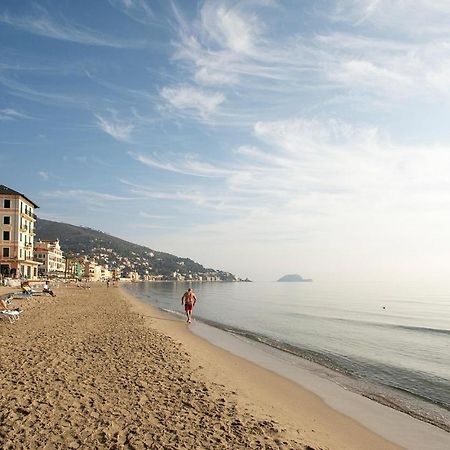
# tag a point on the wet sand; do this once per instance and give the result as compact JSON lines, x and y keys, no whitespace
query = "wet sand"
{"x":98,"y":369}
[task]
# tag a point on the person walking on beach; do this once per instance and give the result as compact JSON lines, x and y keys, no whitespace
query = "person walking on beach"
{"x":189,"y":299}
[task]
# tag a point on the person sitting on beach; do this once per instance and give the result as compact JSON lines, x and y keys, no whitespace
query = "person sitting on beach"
{"x":26,"y":288}
{"x":4,"y":304}
{"x":189,"y":299}
{"x":47,"y":290}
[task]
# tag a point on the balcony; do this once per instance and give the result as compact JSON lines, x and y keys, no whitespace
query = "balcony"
{"x":29,"y":215}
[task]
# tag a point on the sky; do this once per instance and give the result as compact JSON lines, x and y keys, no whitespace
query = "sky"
{"x":259,"y":137}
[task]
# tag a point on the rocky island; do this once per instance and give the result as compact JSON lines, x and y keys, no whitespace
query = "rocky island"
{"x":293,"y":277}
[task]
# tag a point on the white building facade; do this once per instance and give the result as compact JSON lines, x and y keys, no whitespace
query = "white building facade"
{"x":50,"y":257}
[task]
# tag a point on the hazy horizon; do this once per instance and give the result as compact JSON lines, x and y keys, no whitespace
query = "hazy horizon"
{"x":258,"y":137}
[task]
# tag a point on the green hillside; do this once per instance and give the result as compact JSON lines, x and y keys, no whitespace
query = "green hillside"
{"x":118,"y":253}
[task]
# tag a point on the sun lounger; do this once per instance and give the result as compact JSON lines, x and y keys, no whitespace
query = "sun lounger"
{"x":28,"y":294}
{"x":20,"y":294}
{"x":11,"y":314}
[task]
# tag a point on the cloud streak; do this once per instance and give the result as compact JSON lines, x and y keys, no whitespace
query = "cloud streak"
{"x":118,"y":129}
{"x":138,"y":10}
{"x":12,"y":114}
{"x":201,"y":102}
{"x":42,"y":24}
{"x":414,"y":17}
{"x":183,"y":164}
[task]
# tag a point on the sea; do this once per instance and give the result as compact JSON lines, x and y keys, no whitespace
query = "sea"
{"x":390,"y":343}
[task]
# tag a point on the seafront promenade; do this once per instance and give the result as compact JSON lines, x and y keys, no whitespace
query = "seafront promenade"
{"x":94,"y":368}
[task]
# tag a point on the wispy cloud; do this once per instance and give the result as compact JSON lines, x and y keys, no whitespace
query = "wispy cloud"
{"x":44,"y":175}
{"x":184,"y":164}
{"x":147,"y":215}
{"x":223,"y":45}
{"x":203,"y":103}
{"x":229,"y":25}
{"x":138,"y":10}
{"x":181,"y":195}
{"x":22,"y":90}
{"x":116,"y":128}
{"x":413,"y":17}
{"x":84,"y":195}
{"x":12,"y":114}
{"x":42,"y":24}
{"x":196,"y":197}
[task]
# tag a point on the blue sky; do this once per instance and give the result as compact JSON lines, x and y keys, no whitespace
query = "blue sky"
{"x":261,"y":137}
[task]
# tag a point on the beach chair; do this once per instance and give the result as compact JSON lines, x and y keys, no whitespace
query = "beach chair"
{"x":11,"y":314}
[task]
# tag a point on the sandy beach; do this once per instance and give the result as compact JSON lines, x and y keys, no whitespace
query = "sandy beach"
{"x":98,"y":369}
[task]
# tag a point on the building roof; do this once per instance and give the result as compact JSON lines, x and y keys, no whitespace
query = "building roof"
{"x":8,"y":191}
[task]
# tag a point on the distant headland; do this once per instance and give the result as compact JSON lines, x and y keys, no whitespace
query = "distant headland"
{"x":294,"y":277}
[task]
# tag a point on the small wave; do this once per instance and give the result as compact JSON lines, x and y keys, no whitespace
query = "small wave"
{"x":400,"y":326}
{"x":171,"y":311}
{"x":419,"y":329}
{"x":423,"y":329}
{"x":324,"y":359}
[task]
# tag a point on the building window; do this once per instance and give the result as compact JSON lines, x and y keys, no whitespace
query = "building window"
{"x":21,"y":253}
{"x":6,"y":235}
{"x":6,"y":252}
{"x":6,"y":203}
{"x":6,"y":220}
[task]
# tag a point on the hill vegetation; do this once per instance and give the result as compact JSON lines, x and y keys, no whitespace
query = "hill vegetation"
{"x":118,"y":253}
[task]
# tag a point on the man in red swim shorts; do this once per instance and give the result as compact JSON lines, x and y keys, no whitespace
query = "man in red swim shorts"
{"x":188,"y":299}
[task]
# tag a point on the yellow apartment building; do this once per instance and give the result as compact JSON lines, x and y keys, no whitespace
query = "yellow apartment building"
{"x":17,"y":231}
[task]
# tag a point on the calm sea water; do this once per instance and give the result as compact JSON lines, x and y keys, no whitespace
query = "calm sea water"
{"x":392,"y":343}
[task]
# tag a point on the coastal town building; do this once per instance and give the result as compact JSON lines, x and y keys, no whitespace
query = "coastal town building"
{"x":134,"y":276}
{"x":105,"y":273}
{"x":92,"y":270}
{"x":116,"y":273}
{"x":50,"y":257}
{"x":96,"y":272}
{"x":74,"y":267}
{"x":17,"y":222}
